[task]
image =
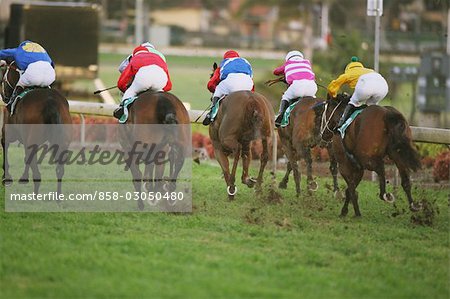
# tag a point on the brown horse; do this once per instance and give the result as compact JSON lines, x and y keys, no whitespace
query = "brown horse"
{"x":377,"y":132}
{"x":166,"y":110}
{"x":298,"y":137}
{"x":40,"y":106}
{"x":243,"y":116}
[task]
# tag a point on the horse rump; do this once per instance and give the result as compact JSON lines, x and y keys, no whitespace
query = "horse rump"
{"x":400,"y":143}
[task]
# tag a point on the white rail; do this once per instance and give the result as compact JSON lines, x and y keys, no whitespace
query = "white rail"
{"x":420,"y":134}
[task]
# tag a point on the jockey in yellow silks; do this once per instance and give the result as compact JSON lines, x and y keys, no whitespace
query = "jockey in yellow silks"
{"x":370,"y":87}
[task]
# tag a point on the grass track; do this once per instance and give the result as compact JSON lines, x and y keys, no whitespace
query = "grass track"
{"x":245,"y":248}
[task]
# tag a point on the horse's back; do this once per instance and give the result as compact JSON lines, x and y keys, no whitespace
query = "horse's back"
{"x":157,"y":107}
{"x":42,"y":106}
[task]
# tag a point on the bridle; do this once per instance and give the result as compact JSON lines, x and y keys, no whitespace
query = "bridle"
{"x":5,"y":78}
{"x":324,"y":124}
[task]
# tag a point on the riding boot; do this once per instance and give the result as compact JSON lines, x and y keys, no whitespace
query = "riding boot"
{"x":283,"y":107}
{"x":347,"y":112}
{"x":118,"y":112}
{"x":208,"y":118}
{"x":17,"y":90}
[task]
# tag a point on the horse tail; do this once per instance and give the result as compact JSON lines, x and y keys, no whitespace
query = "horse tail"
{"x":399,"y":141}
{"x":170,"y":118}
{"x":51,"y":112}
{"x":254,"y":116}
{"x":165,"y":110}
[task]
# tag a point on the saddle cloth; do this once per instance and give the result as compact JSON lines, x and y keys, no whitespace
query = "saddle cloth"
{"x":215,"y":108}
{"x":287,"y":113}
{"x":347,"y":123}
{"x":126,"y":104}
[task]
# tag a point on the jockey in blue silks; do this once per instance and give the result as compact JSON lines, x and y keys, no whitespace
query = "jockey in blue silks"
{"x":34,"y":65}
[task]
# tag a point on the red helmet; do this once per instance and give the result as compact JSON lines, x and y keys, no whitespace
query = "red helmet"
{"x":140,"y":49}
{"x":230,"y":54}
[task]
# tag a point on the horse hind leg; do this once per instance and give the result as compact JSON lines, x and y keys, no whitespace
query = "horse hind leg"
{"x":353,"y":178}
{"x":380,"y":171}
{"x":6,"y":178}
{"x":283,"y":183}
{"x":224,"y":164}
{"x":312,"y":185}
{"x":263,"y":162}
{"x":231,"y":184}
{"x":246,"y":158}
{"x":293,"y":162}
{"x":334,"y":171}
{"x":406,"y":185}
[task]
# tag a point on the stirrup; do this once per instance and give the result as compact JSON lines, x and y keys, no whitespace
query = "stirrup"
{"x":278,"y":120}
{"x":207,"y":121}
{"x":118,"y":113}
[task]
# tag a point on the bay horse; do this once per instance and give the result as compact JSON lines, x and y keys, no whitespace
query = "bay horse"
{"x":40,"y":106}
{"x":377,"y":132}
{"x":156,"y":108}
{"x":298,"y":137}
{"x":243,"y":116}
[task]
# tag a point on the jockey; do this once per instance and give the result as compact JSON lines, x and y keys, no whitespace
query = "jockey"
{"x":147,"y":70}
{"x":234,"y":73}
{"x":300,"y":77}
{"x":126,"y":61}
{"x":34,"y":65}
{"x":370,"y":87}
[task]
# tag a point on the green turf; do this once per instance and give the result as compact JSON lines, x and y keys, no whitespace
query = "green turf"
{"x":246,"y":248}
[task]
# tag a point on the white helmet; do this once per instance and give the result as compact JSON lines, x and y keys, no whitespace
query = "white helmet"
{"x":148,"y":45}
{"x":292,"y":54}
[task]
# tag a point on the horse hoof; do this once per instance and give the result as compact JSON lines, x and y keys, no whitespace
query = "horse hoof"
{"x":231,"y":190}
{"x":140,"y":205}
{"x":313,"y":186}
{"x":7,"y":182}
{"x":250,"y":182}
{"x":388,"y":197}
{"x":338,"y":195}
{"x":282,"y":185}
{"x":415,"y":208}
{"x":24,"y":181}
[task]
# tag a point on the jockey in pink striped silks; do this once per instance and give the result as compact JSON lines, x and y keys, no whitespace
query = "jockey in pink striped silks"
{"x":300,"y":77}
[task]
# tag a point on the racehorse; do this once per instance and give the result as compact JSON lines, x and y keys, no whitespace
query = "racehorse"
{"x":298,"y":137}
{"x":243,"y":116}
{"x":40,"y":106}
{"x":377,"y":132}
{"x":166,"y":110}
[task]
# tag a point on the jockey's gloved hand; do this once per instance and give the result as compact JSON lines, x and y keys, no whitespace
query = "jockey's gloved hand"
{"x":2,"y":63}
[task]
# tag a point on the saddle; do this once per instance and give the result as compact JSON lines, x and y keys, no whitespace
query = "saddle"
{"x":126,"y":105}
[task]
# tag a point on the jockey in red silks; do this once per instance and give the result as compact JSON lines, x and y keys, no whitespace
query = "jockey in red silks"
{"x":234,"y":73}
{"x":147,"y":70}
{"x":300,"y":78}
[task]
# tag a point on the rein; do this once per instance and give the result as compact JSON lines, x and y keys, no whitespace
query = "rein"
{"x":325,"y":122}
{"x":5,"y":77}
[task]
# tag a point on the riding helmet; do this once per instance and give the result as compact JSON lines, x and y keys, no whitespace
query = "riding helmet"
{"x":293,"y":54}
{"x":230,"y":54}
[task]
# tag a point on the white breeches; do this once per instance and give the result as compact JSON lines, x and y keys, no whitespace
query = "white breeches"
{"x":370,"y":89}
{"x":300,"y":88}
{"x":233,"y":82}
{"x":150,"y":77}
{"x":39,"y":73}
